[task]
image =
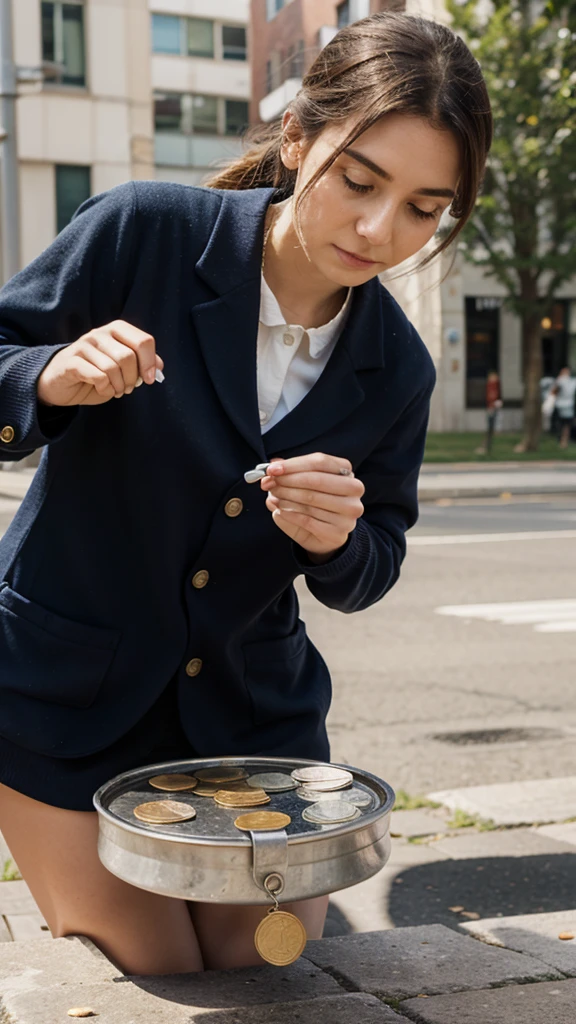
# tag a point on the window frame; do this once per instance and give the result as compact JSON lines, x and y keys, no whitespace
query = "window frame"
{"x":218,"y":27}
{"x":58,"y":33}
{"x":66,"y":166}
{"x":221,"y":114}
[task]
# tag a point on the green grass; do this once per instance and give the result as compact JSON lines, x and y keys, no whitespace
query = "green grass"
{"x":459,"y":447}
{"x":10,"y":872}
{"x":405,"y":802}
{"x":461,"y":819}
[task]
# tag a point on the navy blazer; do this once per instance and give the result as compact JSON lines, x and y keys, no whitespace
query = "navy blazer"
{"x":98,"y":612}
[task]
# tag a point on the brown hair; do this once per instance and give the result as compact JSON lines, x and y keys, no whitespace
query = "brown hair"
{"x":387,"y":63}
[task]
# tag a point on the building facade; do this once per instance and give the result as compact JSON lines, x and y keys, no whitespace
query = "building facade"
{"x":201,"y":84}
{"x":86,"y":124}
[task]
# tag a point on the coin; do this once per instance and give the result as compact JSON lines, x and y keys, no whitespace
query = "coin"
{"x":82,"y":1011}
{"x":223,"y":774}
{"x":354,"y":795}
{"x":262,"y":821}
{"x":163,"y":812}
{"x":322,"y":786}
{"x":280,"y":938}
{"x":206,"y":789}
{"x":322,"y":773}
{"x":331,"y":812}
{"x":173,"y":783}
{"x":228,"y":798}
{"x":272,"y":782}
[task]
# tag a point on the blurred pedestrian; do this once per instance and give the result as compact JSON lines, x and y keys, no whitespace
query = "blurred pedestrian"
{"x":548,"y":400}
{"x":493,"y":406}
{"x":565,"y":390}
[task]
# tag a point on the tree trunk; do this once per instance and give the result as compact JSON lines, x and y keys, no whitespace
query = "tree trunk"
{"x":532,"y":348}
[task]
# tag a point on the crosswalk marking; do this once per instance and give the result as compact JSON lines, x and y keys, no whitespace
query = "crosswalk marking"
{"x":552,"y":616}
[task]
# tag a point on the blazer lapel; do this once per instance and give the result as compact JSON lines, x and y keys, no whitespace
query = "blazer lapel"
{"x":227,"y":326}
{"x":338,"y":391}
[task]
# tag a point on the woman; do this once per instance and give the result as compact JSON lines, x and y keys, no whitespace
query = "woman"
{"x":147,"y":610}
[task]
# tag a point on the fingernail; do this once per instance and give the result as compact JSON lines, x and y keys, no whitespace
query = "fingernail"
{"x":139,"y":382}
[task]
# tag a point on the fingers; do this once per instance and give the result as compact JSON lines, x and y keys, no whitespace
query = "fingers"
{"x":85,"y":372}
{"x":142,"y":345}
{"x":349,"y":505}
{"x":343,"y":523}
{"x":124,"y":353}
{"x":326,"y":483}
{"x":316,"y":463}
{"x":316,"y":535}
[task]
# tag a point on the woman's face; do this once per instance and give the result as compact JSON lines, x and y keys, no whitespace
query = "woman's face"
{"x":367,"y":213}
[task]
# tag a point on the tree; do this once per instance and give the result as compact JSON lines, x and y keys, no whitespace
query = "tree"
{"x":523,"y":231}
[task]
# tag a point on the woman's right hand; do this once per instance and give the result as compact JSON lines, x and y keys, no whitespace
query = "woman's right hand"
{"x":105,"y":363}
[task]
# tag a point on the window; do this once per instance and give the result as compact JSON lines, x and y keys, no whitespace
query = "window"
{"x":236,"y":117}
{"x":273,"y":6}
{"x":205,"y":115}
{"x":200,"y":38}
{"x":233,"y":42}
{"x":63,"y":51}
{"x":482,"y":347}
{"x":166,"y":33}
{"x":73,"y":187}
{"x":183,"y":114}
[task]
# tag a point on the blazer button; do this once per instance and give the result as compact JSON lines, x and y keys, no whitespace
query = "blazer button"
{"x":193,"y":667}
{"x":233,"y":507}
{"x":7,"y":434}
{"x":200,"y":579}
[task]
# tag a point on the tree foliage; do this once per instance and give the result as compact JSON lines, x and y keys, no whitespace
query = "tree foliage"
{"x":523,"y":231}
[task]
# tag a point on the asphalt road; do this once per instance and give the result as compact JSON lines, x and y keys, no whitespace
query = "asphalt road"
{"x":408,"y":680}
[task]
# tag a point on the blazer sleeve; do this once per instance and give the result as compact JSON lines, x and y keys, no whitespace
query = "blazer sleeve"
{"x":369,"y":564}
{"x":76,"y":284}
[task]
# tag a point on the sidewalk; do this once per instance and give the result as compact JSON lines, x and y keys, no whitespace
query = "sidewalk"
{"x":463,"y":924}
{"x":472,"y":480}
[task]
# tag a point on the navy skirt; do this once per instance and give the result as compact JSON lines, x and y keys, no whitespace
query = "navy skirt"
{"x":71,"y":782}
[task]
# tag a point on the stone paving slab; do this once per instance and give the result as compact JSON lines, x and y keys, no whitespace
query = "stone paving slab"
{"x":126,"y":1003}
{"x":431,"y":959}
{"x":439,"y":483}
{"x":16,"y":898}
{"x":423,"y":822}
{"x":548,"y":1003}
{"x":562,"y":833}
{"x":26,"y":966}
{"x":515,"y":803}
{"x":535,"y":934}
{"x":242,"y":987}
{"x":516,"y":842}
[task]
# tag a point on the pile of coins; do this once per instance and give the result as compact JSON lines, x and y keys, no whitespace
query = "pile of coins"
{"x":329,"y":791}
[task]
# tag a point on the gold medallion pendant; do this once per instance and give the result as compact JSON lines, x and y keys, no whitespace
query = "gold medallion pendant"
{"x":280,"y":938}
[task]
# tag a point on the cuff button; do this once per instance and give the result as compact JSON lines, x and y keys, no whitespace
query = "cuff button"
{"x":7,"y":434}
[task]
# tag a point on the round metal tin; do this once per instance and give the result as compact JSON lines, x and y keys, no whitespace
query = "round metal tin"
{"x":209,"y":860}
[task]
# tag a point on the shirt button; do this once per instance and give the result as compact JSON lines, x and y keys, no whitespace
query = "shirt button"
{"x":263,"y":416}
{"x":200,"y":579}
{"x":193,"y":667}
{"x":7,"y":434}
{"x":233,"y":507}
{"x":288,"y":339}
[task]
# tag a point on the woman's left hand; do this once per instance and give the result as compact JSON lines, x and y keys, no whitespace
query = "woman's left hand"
{"x":315,"y":500}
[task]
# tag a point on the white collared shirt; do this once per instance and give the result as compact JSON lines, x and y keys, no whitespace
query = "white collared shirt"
{"x":289,"y":358}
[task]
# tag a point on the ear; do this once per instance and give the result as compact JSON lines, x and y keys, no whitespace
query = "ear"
{"x":291,"y":149}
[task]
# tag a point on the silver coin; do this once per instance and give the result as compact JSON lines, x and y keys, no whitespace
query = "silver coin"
{"x":272,"y":782}
{"x":331,"y":811}
{"x":355,"y":795}
{"x":329,"y":787}
{"x":322,"y":773}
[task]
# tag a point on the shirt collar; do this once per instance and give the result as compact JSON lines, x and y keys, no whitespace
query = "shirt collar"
{"x":319,"y":337}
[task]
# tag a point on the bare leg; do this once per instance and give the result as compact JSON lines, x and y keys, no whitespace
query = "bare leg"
{"x":226,"y":933}
{"x":565,"y":435}
{"x":56,"y":851}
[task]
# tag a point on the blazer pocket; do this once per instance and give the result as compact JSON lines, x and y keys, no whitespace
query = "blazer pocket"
{"x":286,"y":678}
{"x":48,"y":657}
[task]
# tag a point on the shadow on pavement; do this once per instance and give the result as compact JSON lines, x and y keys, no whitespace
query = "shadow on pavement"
{"x":487,"y":887}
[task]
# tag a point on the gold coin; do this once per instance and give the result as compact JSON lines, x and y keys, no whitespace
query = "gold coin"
{"x":222,"y":774}
{"x":231,"y":799}
{"x":206,"y":789}
{"x":164,"y":812}
{"x":262,"y":820}
{"x":280,"y":938}
{"x":173,"y":783}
